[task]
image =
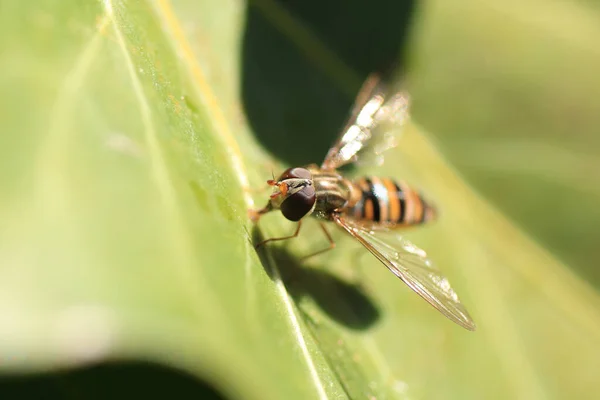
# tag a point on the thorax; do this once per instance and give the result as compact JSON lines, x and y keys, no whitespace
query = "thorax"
{"x":334,"y":192}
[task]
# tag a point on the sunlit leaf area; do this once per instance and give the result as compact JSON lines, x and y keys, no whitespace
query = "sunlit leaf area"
{"x":136,"y":134}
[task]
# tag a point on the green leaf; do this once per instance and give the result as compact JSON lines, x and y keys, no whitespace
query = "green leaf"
{"x":134,"y":132}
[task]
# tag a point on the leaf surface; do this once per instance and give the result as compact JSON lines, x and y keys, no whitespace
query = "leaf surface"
{"x":133,"y":134}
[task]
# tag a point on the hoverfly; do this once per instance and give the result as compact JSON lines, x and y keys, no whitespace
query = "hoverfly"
{"x":370,"y":209}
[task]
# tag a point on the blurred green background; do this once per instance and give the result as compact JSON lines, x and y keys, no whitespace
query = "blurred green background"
{"x":133,"y":129}
{"x":509,"y":92}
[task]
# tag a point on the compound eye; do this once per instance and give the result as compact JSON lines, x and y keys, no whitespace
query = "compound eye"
{"x":299,"y":204}
{"x":295,"y":173}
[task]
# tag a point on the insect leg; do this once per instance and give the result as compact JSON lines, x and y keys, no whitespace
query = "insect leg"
{"x":331,"y":243}
{"x":281,"y":238}
{"x":256,"y":214}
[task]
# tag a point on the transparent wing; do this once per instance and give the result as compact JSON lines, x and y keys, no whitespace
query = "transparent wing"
{"x":373,"y":127}
{"x":411,"y":265}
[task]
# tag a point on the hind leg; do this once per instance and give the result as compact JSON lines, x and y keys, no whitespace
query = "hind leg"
{"x":331,"y":243}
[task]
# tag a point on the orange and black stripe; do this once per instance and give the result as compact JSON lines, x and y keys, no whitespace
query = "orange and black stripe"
{"x":386,"y":201}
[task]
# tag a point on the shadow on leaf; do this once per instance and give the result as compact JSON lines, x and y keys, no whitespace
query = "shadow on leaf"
{"x":303,"y":61}
{"x":343,"y":301}
{"x":127,"y":380}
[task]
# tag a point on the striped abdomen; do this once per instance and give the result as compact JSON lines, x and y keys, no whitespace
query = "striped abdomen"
{"x":388,"y":202}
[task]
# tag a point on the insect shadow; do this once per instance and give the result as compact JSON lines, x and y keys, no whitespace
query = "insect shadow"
{"x":345,"y":302}
{"x":303,"y":62}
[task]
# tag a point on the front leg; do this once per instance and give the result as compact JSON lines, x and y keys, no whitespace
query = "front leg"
{"x":256,"y":214}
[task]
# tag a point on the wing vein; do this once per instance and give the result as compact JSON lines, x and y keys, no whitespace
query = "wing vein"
{"x":409,"y":263}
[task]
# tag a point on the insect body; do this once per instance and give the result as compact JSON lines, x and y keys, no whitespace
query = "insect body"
{"x":369,"y":200}
{"x":370,"y":209}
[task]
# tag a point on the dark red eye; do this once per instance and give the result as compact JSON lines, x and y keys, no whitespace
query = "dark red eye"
{"x":299,"y":204}
{"x":295,"y":173}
